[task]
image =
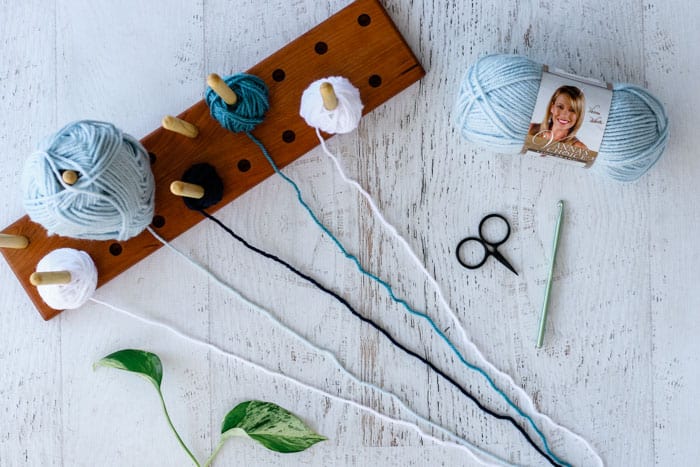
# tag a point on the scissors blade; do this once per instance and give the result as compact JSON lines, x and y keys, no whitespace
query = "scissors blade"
{"x":494,"y":252}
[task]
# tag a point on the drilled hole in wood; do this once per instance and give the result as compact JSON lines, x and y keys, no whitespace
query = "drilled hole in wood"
{"x":364,"y":19}
{"x":288,"y":136}
{"x":244,"y":165}
{"x":152,"y":157}
{"x":321,"y":48}
{"x":375,"y":81}
{"x":115,"y":249}
{"x":158,"y":221}
{"x":278,"y":75}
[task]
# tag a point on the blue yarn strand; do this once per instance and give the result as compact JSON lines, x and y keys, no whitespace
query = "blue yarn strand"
{"x":402,"y":301}
{"x":242,"y":117}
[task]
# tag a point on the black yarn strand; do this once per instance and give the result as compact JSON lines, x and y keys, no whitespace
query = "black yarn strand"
{"x":383,"y":331}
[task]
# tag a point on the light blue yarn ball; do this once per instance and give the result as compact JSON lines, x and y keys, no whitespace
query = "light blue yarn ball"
{"x":113,"y":198}
{"x":250,"y":108}
{"x":497,"y":97}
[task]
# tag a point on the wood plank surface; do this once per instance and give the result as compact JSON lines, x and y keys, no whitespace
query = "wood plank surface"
{"x":620,"y":361}
{"x":673,"y":226}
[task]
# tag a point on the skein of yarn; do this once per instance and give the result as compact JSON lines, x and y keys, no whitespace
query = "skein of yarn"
{"x":113,"y":196}
{"x":344,"y":118}
{"x":497,"y":97}
{"x":83,"y":278}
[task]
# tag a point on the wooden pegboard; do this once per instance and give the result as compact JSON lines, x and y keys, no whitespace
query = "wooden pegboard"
{"x":360,"y":42}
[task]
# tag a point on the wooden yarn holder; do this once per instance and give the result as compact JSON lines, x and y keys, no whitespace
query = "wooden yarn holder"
{"x":360,"y":43}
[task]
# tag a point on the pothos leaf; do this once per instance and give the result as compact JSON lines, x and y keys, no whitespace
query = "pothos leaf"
{"x":269,"y":424}
{"x":149,"y":366}
{"x":146,"y":364}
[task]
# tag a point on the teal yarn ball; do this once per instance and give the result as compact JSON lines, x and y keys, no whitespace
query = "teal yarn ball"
{"x":497,"y":97}
{"x":250,"y":108}
{"x":113,"y":198}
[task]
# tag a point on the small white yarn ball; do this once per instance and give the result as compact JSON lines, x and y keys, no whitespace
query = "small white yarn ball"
{"x":83,"y":278}
{"x":342,"y":119}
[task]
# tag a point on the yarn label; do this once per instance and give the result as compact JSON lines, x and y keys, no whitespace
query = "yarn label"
{"x":569,"y":118}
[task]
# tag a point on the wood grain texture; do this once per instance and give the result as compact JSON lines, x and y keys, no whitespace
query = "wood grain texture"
{"x":672,"y":58}
{"x":31,"y":396}
{"x":619,"y":366}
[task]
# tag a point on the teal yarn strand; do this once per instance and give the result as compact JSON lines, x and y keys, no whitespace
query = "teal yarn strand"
{"x":221,"y":110}
{"x":403,"y":302}
{"x":498,"y":94}
{"x":250,"y":108}
{"x":114,"y":196}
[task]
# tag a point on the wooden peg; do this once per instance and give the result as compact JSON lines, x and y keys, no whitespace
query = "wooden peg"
{"x":187,"y":190}
{"x":69,"y":177}
{"x":330,"y":100}
{"x":50,"y":278}
{"x":180,"y":126}
{"x":220,"y":87}
{"x":13,"y":241}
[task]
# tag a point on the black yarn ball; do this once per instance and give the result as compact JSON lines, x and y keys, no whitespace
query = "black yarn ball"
{"x":205,"y":176}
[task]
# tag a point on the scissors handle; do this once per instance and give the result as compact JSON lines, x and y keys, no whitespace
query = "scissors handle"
{"x":480,"y":242}
{"x":490,"y":247}
{"x":496,"y":243}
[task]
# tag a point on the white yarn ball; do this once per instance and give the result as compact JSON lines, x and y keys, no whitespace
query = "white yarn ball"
{"x":342,"y":119}
{"x":83,"y":278}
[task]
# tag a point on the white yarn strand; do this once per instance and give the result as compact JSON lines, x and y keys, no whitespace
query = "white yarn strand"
{"x":468,"y":447}
{"x":433,"y":282}
{"x":83,"y":278}
{"x":344,"y":118}
{"x":387,"y":418}
{"x":82,"y":287}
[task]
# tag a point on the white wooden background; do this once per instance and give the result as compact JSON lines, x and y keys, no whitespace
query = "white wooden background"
{"x":620,"y":364}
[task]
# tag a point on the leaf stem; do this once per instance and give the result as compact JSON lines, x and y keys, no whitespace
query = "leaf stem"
{"x":167,"y":416}
{"x":216,"y":451}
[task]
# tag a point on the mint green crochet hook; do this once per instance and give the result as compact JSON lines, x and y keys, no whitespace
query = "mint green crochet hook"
{"x":545,"y":305}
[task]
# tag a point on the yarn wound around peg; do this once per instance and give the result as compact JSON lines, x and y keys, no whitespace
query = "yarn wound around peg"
{"x":220,"y":111}
{"x":344,"y":118}
{"x":83,"y":278}
{"x":250,"y":108}
{"x":204,"y":175}
{"x":498,"y":94}
{"x":113,"y":197}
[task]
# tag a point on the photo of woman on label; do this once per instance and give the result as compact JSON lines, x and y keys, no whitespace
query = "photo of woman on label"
{"x":563,"y":118}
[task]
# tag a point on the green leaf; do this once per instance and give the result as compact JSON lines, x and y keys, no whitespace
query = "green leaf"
{"x":146,"y":364}
{"x":269,"y":424}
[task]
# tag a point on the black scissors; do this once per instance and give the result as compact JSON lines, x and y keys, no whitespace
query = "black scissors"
{"x":490,"y":247}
